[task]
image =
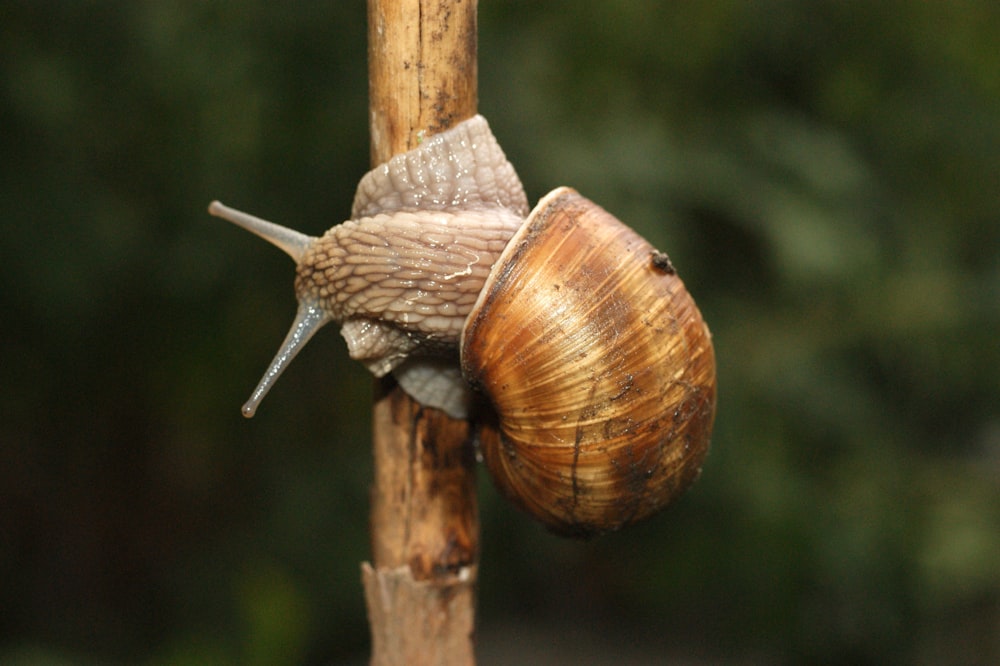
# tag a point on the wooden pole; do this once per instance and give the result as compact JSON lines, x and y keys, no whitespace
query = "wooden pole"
{"x":420,"y":586}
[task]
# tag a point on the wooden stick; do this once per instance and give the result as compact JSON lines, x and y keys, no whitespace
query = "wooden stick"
{"x":422,"y":71}
{"x":420,"y":589}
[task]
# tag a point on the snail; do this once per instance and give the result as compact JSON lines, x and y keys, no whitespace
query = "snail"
{"x":568,"y":338}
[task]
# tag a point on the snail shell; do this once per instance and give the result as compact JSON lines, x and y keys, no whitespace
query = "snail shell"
{"x":594,"y":364}
{"x":598,"y":367}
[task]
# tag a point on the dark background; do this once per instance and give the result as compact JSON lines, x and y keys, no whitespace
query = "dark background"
{"x":825,"y":176}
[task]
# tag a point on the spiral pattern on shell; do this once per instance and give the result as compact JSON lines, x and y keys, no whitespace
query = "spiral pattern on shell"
{"x":598,"y":367}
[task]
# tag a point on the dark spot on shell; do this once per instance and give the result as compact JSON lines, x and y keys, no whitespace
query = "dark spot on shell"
{"x":626,"y":386}
{"x":662,"y":263}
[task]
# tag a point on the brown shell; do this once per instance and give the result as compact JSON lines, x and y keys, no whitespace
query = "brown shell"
{"x":598,"y":366}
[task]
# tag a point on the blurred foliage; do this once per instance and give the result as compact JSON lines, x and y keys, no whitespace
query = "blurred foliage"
{"x":824,"y":175}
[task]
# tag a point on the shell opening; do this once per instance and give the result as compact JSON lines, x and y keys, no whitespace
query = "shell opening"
{"x":309,"y":319}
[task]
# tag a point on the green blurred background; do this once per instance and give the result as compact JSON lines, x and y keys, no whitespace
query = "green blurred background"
{"x":825,"y":176}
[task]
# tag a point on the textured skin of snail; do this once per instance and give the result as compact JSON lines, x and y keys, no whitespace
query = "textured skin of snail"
{"x":567,"y":336}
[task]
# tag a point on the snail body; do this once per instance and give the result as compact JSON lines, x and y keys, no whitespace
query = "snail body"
{"x":594,"y":365}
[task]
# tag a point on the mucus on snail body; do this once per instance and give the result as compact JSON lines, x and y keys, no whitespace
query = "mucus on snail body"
{"x":570,"y":338}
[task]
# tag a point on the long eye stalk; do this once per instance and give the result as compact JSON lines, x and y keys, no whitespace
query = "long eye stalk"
{"x":293,"y":243}
{"x":309,"y":319}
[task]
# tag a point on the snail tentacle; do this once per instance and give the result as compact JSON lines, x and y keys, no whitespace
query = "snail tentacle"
{"x":309,"y":319}
{"x":293,"y":243}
